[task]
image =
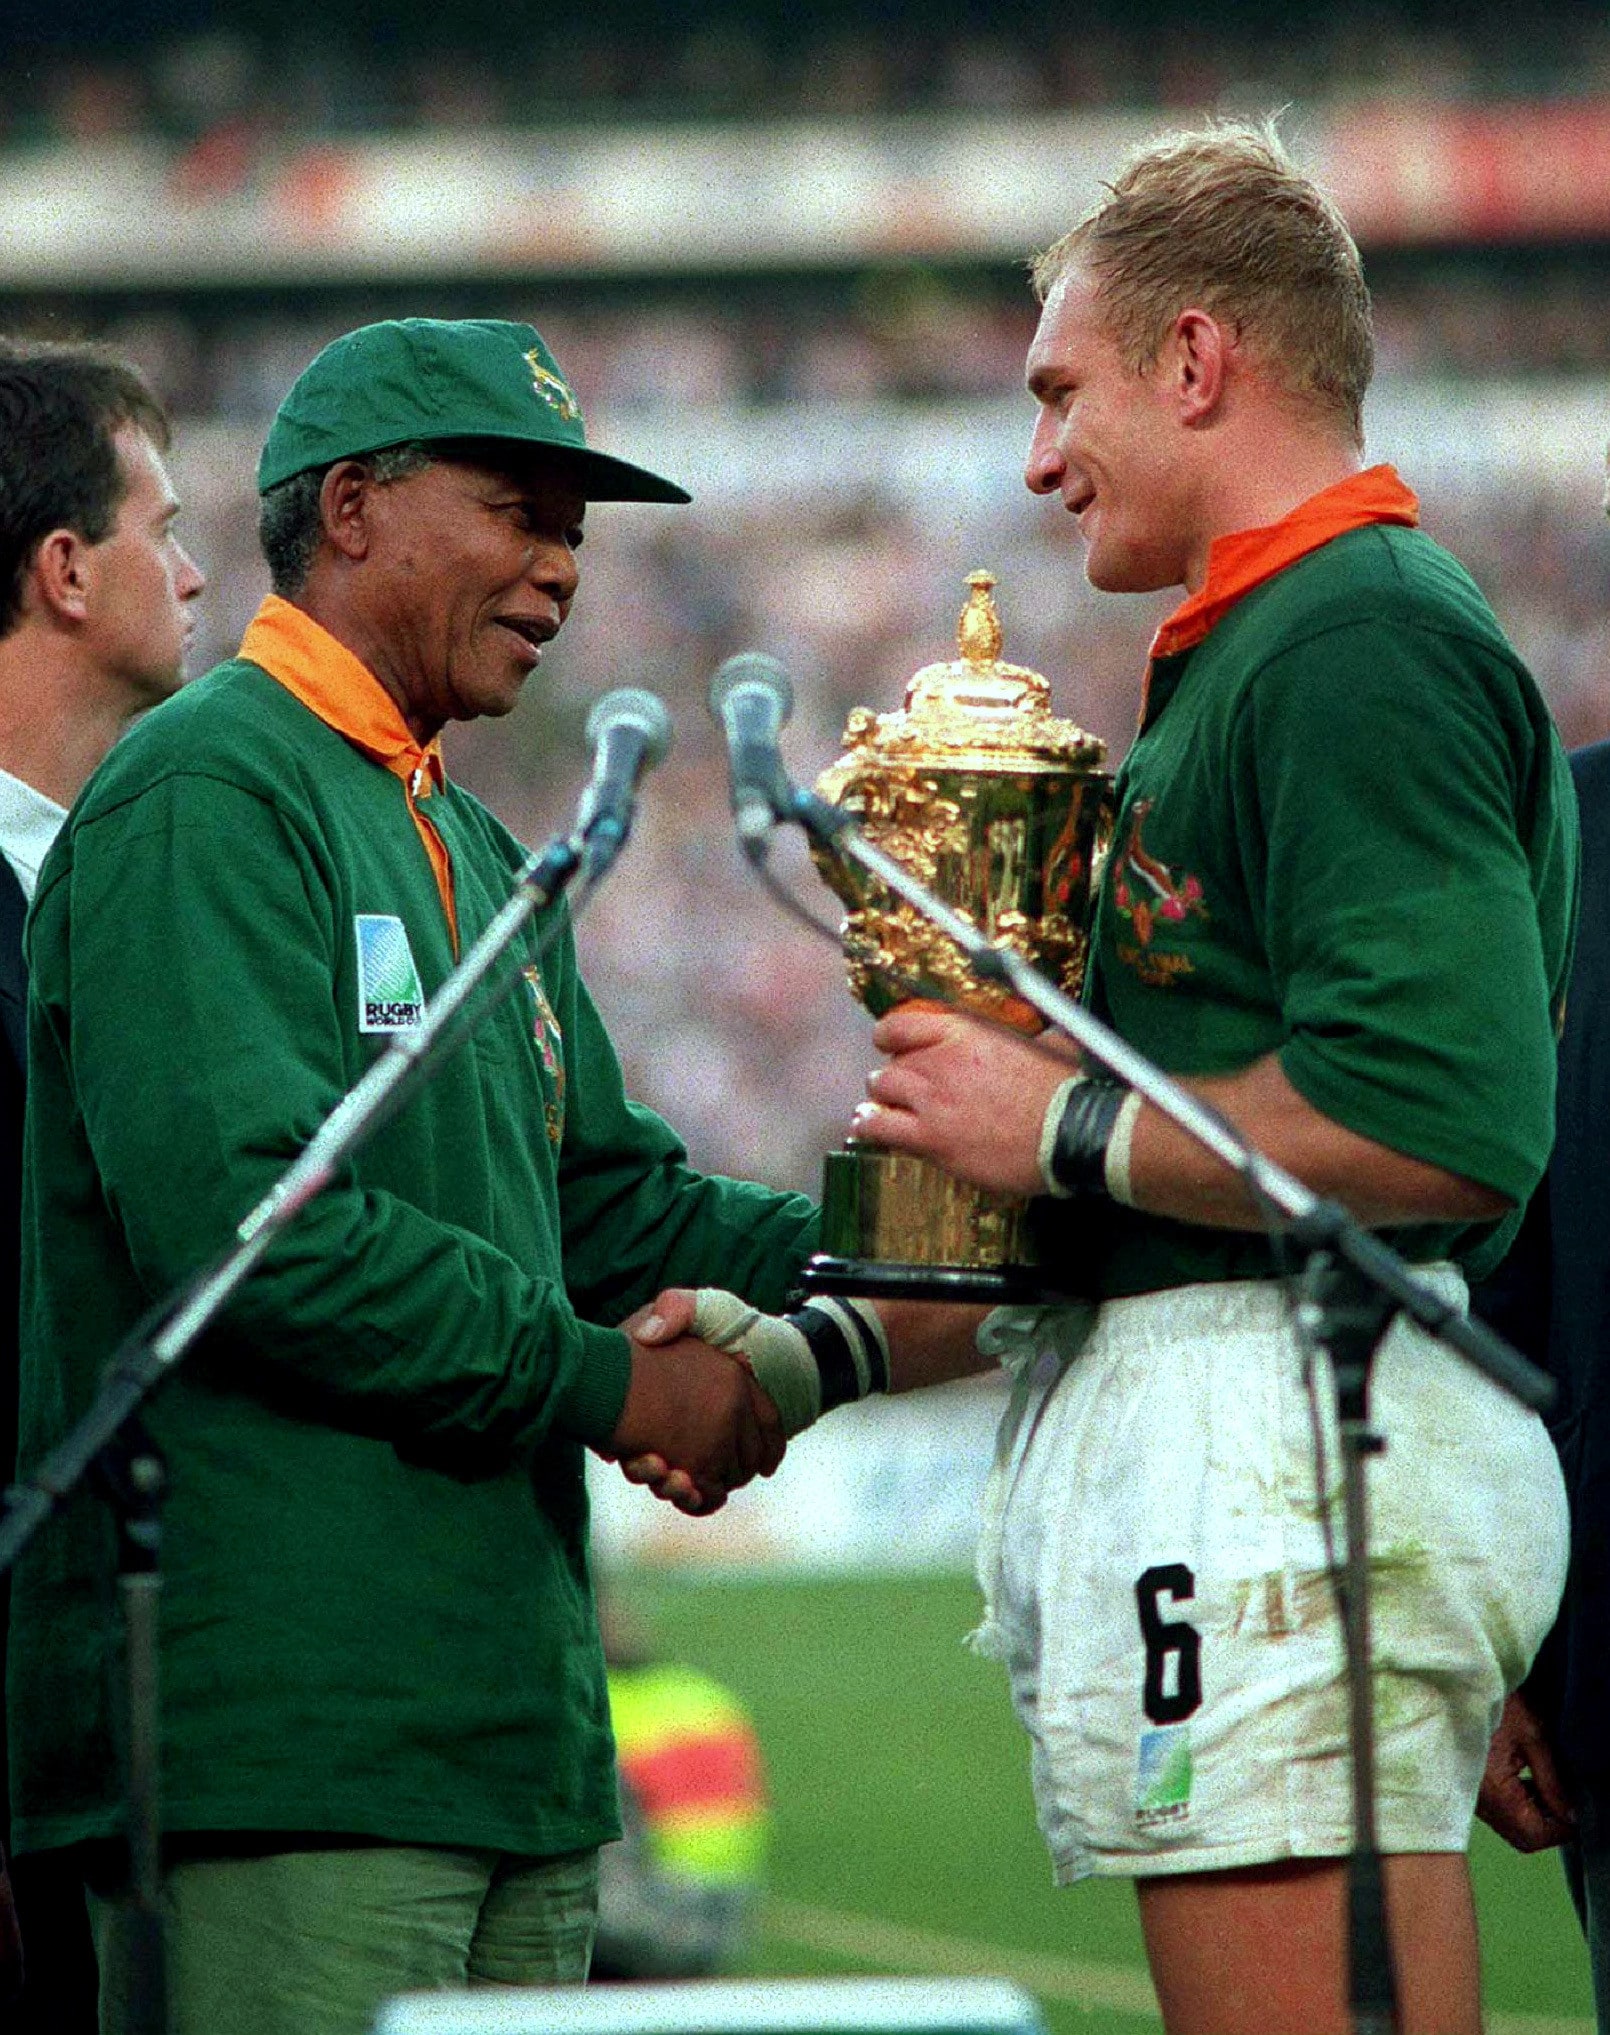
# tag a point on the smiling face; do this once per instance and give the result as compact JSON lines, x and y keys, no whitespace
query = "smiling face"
{"x":140,"y":581}
{"x":1108,"y":439}
{"x":470,"y":570}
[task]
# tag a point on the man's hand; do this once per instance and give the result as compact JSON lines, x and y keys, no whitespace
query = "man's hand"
{"x":966,"y":1093}
{"x":1520,"y":1795}
{"x":10,"y":1940}
{"x":695,"y":1425}
{"x":668,"y":1316}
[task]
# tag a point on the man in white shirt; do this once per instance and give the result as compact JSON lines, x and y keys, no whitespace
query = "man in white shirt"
{"x":95,"y":593}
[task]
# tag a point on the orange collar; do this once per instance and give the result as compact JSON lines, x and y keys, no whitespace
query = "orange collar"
{"x":1246,"y":558}
{"x":345,"y":694}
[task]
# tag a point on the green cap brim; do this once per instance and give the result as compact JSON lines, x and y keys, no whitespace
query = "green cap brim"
{"x":604,"y":478}
{"x":599,"y":476}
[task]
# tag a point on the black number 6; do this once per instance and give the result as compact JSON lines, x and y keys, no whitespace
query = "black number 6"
{"x":1176,"y":1638}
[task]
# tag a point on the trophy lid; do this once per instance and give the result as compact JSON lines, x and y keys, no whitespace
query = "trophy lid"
{"x":975,"y":712}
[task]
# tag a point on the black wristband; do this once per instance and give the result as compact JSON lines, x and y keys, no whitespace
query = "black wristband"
{"x":1079,"y":1150}
{"x":848,"y":1354}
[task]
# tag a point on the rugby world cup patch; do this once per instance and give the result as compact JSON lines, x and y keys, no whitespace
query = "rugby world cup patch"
{"x":1163,"y":1776}
{"x":390,"y":998}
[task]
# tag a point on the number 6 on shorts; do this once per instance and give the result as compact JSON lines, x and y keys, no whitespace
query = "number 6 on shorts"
{"x":1166,"y":1639}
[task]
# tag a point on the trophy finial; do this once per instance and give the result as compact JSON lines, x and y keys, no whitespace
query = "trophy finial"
{"x":978,"y":633}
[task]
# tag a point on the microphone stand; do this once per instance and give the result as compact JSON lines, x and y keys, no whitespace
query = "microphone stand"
{"x":1352,"y":1287}
{"x":109,"y":1443}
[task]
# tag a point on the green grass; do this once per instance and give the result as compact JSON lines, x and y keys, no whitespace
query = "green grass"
{"x":902,"y":1797}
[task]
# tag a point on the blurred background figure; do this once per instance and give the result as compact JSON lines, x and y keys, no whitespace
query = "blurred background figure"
{"x":96,"y":596}
{"x":678,"y":1895}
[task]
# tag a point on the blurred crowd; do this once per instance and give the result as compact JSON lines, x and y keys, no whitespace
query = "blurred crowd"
{"x":901,"y":333}
{"x":304,"y":71}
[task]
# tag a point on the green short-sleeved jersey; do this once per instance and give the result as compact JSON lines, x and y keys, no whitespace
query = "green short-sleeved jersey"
{"x":378,"y":1613}
{"x":1346,"y":836}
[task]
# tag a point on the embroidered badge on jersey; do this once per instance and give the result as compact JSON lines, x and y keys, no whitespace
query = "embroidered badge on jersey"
{"x":1163,"y":1776}
{"x":390,"y":998}
{"x":551,"y":1045}
{"x":1152,"y":898}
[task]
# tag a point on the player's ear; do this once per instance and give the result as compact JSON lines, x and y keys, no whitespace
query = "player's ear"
{"x":59,"y":575}
{"x":1199,"y":348}
{"x":346,"y":497}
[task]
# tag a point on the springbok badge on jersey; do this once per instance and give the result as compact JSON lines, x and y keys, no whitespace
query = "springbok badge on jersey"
{"x":389,"y":996}
{"x":551,"y":1045}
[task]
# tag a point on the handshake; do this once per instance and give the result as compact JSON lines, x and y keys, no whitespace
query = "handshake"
{"x":718,"y":1389}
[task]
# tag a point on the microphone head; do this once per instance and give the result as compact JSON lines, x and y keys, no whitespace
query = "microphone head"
{"x":631,"y":706}
{"x":754,"y":669}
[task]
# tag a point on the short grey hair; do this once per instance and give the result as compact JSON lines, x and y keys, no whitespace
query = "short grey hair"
{"x":289,"y":525}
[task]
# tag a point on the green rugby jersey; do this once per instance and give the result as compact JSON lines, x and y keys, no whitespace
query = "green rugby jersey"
{"x":1345,"y":834}
{"x":378,"y":1616}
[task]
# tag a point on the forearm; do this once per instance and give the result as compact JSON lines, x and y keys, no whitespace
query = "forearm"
{"x":1170,"y":1174}
{"x":831,"y":1350}
{"x":674,"y":1227}
{"x":401,"y":1326}
{"x":931,"y":1342}
{"x":984,"y":1105}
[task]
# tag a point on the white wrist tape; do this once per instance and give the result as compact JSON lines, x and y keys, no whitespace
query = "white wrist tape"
{"x":1116,"y":1164}
{"x":830,"y":1351}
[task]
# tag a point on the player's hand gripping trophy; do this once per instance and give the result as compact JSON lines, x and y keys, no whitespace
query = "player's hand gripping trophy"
{"x":1003,"y":810}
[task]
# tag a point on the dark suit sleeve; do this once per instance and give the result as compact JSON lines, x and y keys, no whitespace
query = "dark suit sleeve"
{"x":1551,"y":1297}
{"x":13,"y":1066}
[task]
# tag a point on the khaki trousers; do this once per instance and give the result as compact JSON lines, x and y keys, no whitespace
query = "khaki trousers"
{"x":311,"y":1942}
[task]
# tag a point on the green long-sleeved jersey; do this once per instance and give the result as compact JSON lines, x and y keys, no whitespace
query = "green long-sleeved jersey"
{"x":378,"y":1615}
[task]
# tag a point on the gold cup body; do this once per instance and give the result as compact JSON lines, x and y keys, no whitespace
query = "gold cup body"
{"x":1004,"y":811}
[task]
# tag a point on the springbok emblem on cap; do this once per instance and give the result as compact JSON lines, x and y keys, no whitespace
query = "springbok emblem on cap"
{"x":552,"y":388}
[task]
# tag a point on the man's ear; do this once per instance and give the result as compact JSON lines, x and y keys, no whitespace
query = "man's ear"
{"x":1199,"y":349}
{"x":59,"y":574}
{"x":346,"y":496}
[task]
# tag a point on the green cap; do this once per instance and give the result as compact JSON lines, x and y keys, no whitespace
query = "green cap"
{"x":431,"y":378}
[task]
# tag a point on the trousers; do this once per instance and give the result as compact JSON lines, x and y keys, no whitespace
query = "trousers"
{"x":311,"y":1942}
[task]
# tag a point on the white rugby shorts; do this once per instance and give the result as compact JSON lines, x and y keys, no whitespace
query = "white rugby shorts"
{"x":1155,"y":1577}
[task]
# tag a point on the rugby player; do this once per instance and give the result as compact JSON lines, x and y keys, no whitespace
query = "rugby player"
{"x":1338,"y":905}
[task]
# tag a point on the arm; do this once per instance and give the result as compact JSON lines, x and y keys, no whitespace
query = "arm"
{"x":1373,"y":790}
{"x":188,"y":1035}
{"x":928,"y":1342}
{"x":972,"y":1097}
{"x":931,"y":1343}
{"x":923,"y":1344}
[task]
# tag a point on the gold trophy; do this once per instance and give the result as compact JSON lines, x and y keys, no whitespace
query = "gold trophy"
{"x":1004,"y":811}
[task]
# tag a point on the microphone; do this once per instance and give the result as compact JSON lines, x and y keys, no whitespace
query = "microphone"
{"x":752,"y":699}
{"x":630,"y":731}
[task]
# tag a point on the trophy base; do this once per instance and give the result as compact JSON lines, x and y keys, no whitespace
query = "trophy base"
{"x":1007,"y":1285}
{"x":901,"y":1227}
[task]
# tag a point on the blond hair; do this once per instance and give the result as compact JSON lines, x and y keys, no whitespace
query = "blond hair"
{"x":1222,"y":219}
